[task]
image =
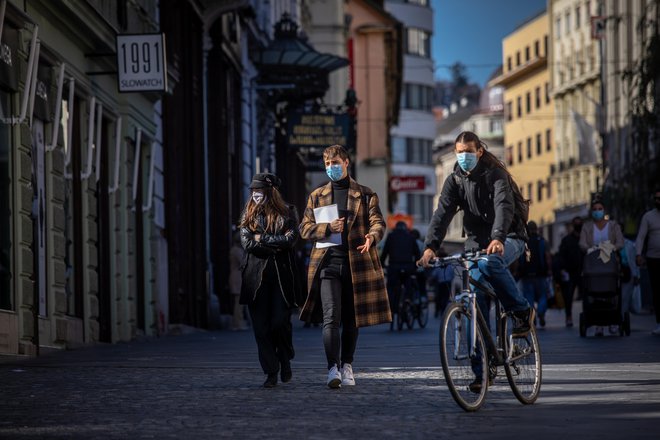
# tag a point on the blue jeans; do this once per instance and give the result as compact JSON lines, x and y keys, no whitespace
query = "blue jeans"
{"x":494,"y":272}
{"x":535,"y":289}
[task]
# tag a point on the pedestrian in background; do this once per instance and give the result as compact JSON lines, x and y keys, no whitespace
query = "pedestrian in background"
{"x":236,"y":255}
{"x":400,"y":252}
{"x":442,"y":279}
{"x":269,"y":284}
{"x":534,"y":273}
{"x":629,"y":276}
{"x":648,"y":252}
{"x":346,"y":283}
{"x":597,"y":231}
{"x":571,"y":258}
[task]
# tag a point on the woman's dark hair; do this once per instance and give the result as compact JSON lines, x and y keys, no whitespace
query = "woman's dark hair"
{"x":273,"y":208}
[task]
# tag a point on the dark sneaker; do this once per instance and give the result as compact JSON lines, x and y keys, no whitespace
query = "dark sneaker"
{"x":475,"y":386}
{"x":523,"y":322}
{"x":271,"y":381}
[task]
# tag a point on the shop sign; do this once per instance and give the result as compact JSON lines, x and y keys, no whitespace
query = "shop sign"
{"x":141,"y":63}
{"x":407,"y":183}
{"x":317,"y":130}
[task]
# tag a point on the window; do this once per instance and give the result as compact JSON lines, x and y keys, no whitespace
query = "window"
{"x":520,"y":155}
{"x":399,"y":152}
{"x":528,"y":102}
{"x":545,"y":46}
{"x":495,"y":126}
{"x":509,"y":155}
{"x":539,"y":146}
{"x":539,"y":190}
{"x":417,"y":97}
{"x":517,"y":59}
{"x":508,"y":63}
{"x":537,"y":97}
{"x":537,"y":48}
{"x":6,"y":298}
{"x":577,"y":17}
{"x":509,"y":111}
{"x":548,"y":189}
{"x":587,"y":10}
{"x":548,"y":140}
{"x":557,"y":27}
{"x":547,"y":93}
{"x":530,"y":189}
{"x":418,"y":2}
{"x":529,"y":148}
{"x":519,"y":106}
{"x":527,"y":54}
{"x":567,"y":23}
{"x":418,"y":42}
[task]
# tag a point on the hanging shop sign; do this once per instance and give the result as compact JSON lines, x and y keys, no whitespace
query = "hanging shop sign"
{"x":9,"y":58}
{"x":317,"y":130}
{"x":407,"y":183}
{"x":141,"y":63}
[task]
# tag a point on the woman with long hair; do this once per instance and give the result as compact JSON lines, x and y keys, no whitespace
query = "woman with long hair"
{"x":270,"y":287}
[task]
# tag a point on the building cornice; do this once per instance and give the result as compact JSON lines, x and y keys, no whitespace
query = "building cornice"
{"x":531,"y":66}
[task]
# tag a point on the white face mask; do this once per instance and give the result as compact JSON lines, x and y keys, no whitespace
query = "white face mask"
{"x":258,"y":197}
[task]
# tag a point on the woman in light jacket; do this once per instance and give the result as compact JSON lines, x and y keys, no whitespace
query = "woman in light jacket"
{"x":599,"y":229}
{"x":270,"y":288}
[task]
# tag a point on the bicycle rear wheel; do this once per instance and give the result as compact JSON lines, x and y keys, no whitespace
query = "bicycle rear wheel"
{"x":461,"y":369}
{"x":523,"y":369}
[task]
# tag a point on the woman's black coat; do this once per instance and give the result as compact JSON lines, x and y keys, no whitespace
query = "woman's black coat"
{"x":277,"y":247}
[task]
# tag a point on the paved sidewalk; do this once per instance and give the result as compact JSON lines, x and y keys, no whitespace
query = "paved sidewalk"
{"x":208,"y":385}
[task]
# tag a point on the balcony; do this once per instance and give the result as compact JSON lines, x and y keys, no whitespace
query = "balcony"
{"x":519,"y":72}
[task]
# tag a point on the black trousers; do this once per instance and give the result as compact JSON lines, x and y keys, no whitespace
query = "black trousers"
{"x":653,"y":265}
{"x":338,"y":310}
{"x":271,"y":322}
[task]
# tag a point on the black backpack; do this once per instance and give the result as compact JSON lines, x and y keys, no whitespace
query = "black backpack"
{"x":521,"y":207}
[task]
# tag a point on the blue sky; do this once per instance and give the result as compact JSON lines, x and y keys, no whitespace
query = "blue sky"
{"x":471,"y":31}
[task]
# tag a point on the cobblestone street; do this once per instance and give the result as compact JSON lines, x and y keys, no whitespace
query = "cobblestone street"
{"x":208,"y":385}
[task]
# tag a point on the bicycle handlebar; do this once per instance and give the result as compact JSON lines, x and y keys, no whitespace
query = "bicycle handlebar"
{"x":458,"y":258}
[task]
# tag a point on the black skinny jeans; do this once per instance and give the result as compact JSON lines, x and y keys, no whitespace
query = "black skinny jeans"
{"x":271,"y":322}
{"x":653,"y":265}
{"x":338,"y":310}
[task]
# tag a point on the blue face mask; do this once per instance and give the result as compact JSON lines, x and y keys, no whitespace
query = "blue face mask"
{"x":467,"y":161}
{"x":334,"y":172}
{"x":597,"y":215}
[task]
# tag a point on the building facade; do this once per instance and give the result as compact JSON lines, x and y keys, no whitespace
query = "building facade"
{"x":632,"y":148}
{"x":81,"y":255}
{"x":413,"y":136}
{"x":529,"y":118}
{"x":576,"y":91}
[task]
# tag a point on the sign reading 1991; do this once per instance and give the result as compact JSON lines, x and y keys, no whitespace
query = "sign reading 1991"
{"x":141,"y":64}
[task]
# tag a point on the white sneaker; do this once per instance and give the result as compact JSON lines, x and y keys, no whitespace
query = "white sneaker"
{"x":656,"y":331}
{"x":347,"y":377}
{"x":334,"y":377}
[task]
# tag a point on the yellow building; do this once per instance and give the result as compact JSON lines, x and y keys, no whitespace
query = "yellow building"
{"x":529,"y":117}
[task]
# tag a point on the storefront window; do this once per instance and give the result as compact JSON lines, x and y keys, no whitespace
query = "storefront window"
{"x":6,"y":299}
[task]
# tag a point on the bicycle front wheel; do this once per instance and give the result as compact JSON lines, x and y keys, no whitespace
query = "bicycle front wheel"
{"x":465,"y":370}
{"x":523,"y":366}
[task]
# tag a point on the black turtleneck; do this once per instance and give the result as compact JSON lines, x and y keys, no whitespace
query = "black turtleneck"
{"x":340,"y":197}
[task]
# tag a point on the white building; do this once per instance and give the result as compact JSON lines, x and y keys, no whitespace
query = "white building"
{"x":412,"y":139}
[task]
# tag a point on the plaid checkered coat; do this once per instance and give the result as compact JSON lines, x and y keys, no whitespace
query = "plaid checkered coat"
{"x":369,"y":293}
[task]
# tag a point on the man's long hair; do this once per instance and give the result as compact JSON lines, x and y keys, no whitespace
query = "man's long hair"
{"x":273,"y":209}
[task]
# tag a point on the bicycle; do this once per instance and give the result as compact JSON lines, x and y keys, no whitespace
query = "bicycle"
{"x":411,"y":305}
{"x":464,"y":351}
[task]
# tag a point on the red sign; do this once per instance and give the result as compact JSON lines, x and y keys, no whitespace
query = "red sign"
{"x":407,"y":183}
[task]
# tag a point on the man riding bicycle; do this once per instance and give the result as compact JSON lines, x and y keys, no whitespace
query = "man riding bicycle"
{"x":494,"y":219}
{"x":401,"y":251}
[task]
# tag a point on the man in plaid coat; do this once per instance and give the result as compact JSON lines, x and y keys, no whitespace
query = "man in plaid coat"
{"x":346,"y":283}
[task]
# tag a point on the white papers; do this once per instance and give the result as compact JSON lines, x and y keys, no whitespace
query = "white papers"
{"x":326,"y":214}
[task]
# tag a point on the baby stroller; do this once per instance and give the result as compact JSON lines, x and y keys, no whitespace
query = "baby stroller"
{"x":601,"y":291}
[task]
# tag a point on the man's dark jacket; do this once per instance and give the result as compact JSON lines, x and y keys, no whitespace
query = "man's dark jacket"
{"x":486,"y":198}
